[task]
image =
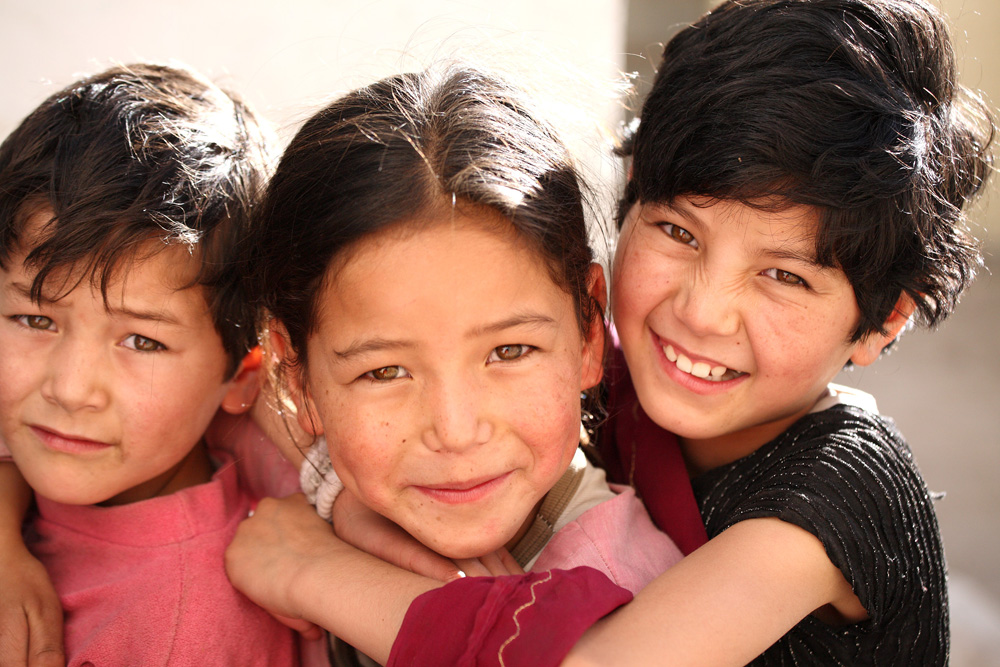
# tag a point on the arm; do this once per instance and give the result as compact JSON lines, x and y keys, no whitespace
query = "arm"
{"x":725,"y":603}
{"x":288,"y":560}
{"x":30,"y":612}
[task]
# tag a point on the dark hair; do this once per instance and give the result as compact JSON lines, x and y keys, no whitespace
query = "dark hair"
{"x":136,"y":153}
{"x":405,"y":149}
{"x":849,"y":106}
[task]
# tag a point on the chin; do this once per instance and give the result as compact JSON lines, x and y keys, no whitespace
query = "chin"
{"x":462,"y":547}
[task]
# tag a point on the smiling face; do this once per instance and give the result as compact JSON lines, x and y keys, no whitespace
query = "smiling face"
{"x":105,"y":402}
{"x":446,"y":368}
{"x":730,"y":329}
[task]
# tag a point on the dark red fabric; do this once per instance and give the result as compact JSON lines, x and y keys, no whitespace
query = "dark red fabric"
{"x":637,"y":452}
{"x":532,"y":619}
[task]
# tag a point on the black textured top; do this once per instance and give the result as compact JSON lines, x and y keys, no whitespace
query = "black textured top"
{"x":848,"y":477}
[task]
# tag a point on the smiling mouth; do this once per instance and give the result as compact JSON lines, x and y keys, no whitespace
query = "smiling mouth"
{"x":463,"y":492}
{"x":699,"y":369}
{"x":67,"y":443}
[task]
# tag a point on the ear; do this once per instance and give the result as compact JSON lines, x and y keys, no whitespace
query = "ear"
{"x":305,"y":409}
{"x":245,"y":385}
{"x":868,"y":349}
{"x":592,"y":368}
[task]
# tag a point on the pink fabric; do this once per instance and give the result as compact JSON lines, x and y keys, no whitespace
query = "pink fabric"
{"x":145,"y":583}
{"x":616,"y":538}
{"x":262,"y":470}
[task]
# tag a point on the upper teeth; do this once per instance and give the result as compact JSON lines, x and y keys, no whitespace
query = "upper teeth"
{"x":699,"y":369}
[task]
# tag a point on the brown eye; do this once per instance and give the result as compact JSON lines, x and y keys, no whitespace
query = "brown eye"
{"x":39,"y":322}
{"x":679,"y":234}
{"x":509,"y":352}
{"x":387,"y":373}
{"x":785,"y":277}
{"x":143,"y":344}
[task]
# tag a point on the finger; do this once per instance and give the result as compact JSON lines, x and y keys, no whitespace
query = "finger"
{"x":473,"y":567}
{"x":494,"y":564}
{"x":302,"y":626}
{"x":13,"y":640}
{"x":509,"y":563}
{"x":423,"y":561}
{"x":45,"y":637}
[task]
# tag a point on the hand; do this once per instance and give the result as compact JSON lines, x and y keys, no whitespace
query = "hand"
{"x":371,"y":532}
{"x":31,"y":623}
{"x":272,"y":552}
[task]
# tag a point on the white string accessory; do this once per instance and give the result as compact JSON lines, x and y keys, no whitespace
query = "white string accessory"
{"x":319,"y":480}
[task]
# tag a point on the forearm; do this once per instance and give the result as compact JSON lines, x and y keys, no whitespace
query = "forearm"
{"x":367,"y":600}
{"x":723,"y":605}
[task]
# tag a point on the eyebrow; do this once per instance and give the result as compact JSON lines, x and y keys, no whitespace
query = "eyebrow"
{"x":532,"y":320}
{"x":794,"y":256}
{"x":147,"y":315}
{"x":370,"y":345}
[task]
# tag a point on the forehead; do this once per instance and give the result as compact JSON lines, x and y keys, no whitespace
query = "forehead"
{"x":463,"y":268}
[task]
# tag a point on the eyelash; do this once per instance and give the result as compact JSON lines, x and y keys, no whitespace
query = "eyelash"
{"x":779,"y":275}
{"x":158,"y":346}
{"x":494,"y":357}
{"x":24,"y":320}
{"x":674,"y":231}
{"x":371,"y":375}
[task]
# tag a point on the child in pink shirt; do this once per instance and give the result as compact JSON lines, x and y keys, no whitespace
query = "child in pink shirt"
{"x":124,"y":332}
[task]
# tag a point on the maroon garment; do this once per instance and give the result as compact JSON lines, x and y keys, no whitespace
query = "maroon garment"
{"x":536,"y":618}
{"x":531,"y":619}
{"x":637,"y":452}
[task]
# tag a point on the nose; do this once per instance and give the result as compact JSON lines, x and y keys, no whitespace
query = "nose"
{"x":458,"y":418}
{"x":74,"y":377}
{"x":708,"y":305}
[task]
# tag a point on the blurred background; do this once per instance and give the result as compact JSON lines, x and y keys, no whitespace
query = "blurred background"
{"x":943,"y":388}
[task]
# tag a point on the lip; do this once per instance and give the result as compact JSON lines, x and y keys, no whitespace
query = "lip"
{"x":469,"y":491}
{"x":69,"y":444}
{"x":686,"y":380}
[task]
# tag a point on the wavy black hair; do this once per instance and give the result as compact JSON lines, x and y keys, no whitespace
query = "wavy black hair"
{"x":849,"y":106}
{"x":138,"y":153}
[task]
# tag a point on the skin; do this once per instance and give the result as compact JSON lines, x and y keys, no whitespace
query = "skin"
{"x":107,"y":402}
{"x":30,"y":612}
{"x":445,"y":370}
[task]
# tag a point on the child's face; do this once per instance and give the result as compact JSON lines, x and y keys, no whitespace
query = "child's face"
{"x":730,"y":329}
{"x":446,"y":368}
{"x":103,"y":403}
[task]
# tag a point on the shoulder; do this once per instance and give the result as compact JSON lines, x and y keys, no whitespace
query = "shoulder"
{"x":846,"y":476}
{"x":616,"y":537}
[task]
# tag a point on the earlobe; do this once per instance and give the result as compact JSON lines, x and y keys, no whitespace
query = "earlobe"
{"x":281,"y":349}
{"x":868,"y":349}
{"x":245,"y":385}
{"x":592,"y":368}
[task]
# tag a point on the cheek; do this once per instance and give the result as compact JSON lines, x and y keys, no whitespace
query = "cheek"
{"x":636,"y":287}
{"x":549,"y":425}
{"x":367,"y":451}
